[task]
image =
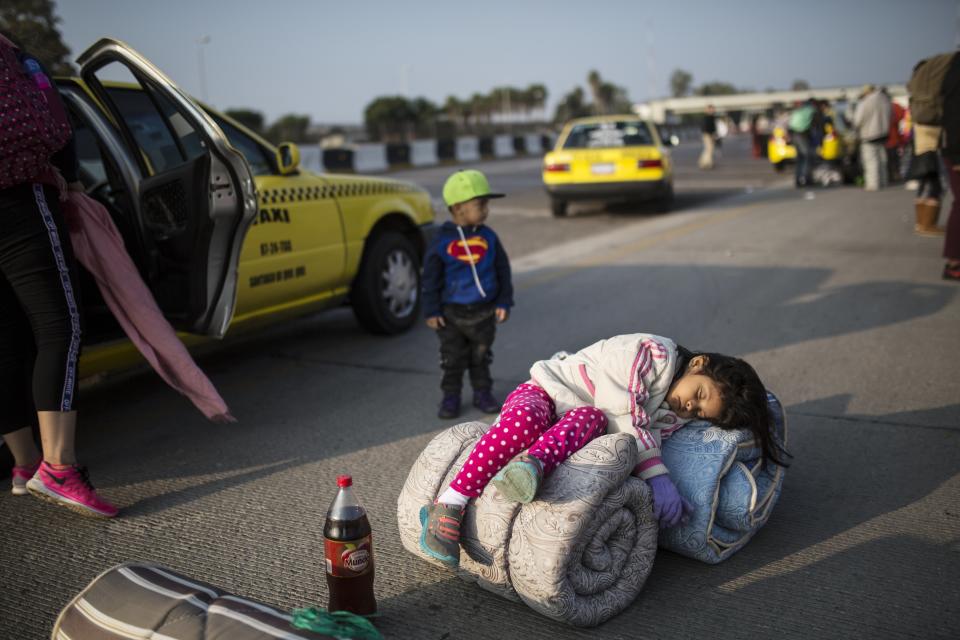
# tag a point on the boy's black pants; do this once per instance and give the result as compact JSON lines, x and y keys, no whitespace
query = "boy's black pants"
{"x":465,"y":344}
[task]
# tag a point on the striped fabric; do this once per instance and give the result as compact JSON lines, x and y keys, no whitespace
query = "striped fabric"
{"x":139,"y":601}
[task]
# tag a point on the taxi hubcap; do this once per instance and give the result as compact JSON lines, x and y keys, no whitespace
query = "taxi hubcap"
{"x":399,"y":278}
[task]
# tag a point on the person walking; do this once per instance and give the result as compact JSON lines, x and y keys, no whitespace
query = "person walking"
{"x":895,"y":140}
{"x":708,"y":131}
{"x":871,"y":120}
{"x":40,"y":321}
{"x":801,"y":130}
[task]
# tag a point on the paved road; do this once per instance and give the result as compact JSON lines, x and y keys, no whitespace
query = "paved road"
{"x":837,"y":304}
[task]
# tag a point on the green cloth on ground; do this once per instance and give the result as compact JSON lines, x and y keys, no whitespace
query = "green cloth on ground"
{"x":340,"y":624}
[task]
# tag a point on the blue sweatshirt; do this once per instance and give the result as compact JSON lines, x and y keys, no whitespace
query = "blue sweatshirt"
{"x":465,"y":269}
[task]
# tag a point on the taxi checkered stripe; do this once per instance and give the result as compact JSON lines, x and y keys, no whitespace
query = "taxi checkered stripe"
{"x":322,"y":192}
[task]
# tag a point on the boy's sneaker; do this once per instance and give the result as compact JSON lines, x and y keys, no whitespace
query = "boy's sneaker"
{"x":71,"y":488}
{"x":440,"y":537}
{"x":520,"y":479}
{"x":20,"y":477}
{"x":449,"y":406}
{"x":484,"y":400}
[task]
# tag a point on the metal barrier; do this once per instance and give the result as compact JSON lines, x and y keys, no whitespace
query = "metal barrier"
{"x":377,"y":157}
{"x":370,"y":157}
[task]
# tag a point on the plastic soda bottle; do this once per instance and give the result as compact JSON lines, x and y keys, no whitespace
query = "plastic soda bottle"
{"x":349,"y":553}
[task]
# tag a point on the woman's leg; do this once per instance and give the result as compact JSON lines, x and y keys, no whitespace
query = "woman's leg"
{"x":951,"y":245}
{"x":16,"y":404}
{"x":23,"y":447}
{"x":58,"y":430}
{"x":37,"y":261}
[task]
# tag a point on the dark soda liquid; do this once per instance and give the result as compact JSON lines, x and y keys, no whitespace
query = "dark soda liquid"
{"x":351,"y":594}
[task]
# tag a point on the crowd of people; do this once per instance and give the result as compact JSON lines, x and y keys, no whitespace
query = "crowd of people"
{"x":886,"y":143}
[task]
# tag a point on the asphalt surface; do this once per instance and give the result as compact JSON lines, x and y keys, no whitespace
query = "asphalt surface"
{"x":837,"y":304}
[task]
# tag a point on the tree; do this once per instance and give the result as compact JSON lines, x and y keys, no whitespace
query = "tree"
{"x":596,"y":89}
{"x":800,"y":85}
{"x":289,"y":128}
{"x":680,"y":82}
{"x":33,"y":24}
{"x":424,"y":116}
{"x":615,"y":98}
{"x":536,"y":97}
{"x":716,"y":88}
{"x":389,"y":118}
{"x":249,"y":118}
{"x":571,"y":106}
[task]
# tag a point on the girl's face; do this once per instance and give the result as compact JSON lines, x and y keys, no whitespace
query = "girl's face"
{"x":694,"y":395}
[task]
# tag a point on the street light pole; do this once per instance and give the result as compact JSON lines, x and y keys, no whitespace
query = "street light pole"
{"x":202,"y":42}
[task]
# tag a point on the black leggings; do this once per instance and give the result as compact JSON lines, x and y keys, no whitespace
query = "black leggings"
{"x":40,"y":323}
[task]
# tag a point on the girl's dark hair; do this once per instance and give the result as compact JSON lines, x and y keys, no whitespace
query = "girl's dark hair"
{"x":744,"y":402}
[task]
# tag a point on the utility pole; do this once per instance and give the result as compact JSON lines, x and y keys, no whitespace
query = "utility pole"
{"x":651,"y":67}
{"x":202,"y":42}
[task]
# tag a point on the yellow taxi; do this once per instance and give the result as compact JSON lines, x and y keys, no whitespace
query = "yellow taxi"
{"x":609,"y":158}
{"x":780,"y":151}
{"x":227,"y":230}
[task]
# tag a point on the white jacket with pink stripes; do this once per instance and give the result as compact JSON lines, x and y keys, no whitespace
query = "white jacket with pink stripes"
{"x":627,"y":377}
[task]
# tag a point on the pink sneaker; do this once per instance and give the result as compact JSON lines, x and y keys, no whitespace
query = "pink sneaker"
{"x":71,"y":488}
{"x":20,"y":477}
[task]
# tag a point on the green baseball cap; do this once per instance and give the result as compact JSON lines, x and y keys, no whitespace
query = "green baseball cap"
{"x":467,"y":184}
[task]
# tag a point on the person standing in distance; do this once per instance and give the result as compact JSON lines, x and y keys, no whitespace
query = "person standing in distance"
{"x":467,"y":291}
{"x":709,"y":134}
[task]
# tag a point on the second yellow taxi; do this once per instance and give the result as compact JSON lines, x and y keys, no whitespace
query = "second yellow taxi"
{"x":608,"y":158}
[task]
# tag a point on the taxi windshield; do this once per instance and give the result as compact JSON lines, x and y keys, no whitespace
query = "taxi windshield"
{"x":600,"y":135}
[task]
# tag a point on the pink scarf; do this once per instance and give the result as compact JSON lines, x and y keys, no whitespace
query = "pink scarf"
{"x":99,"y":247}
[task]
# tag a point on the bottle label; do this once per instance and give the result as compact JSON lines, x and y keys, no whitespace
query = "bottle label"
{"x":348,"y":559}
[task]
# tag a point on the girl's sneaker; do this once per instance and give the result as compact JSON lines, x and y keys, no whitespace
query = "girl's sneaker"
{"x":20,"y":477}
{"x":71,"y":488}
{"x":520,"y":479}
{"x":440,"y":537}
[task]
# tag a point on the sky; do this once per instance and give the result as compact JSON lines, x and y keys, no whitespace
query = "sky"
{"x":329,"y":59}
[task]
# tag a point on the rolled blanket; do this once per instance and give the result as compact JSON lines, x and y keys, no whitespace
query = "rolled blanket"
{"x":139,"y":600}
{"x":580,"y":553}
{"x":720,"y":472}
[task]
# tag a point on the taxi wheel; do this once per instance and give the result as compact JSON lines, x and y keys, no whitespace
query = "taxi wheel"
{"x":386,"y":293}
{"x":558,"y":208}
{"x":664,"y":203}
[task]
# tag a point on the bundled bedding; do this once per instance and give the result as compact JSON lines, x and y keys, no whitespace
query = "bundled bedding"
{"x":580,"y":553}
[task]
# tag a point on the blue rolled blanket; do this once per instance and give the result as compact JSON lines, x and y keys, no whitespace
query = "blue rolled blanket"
{"x":722,"y":474}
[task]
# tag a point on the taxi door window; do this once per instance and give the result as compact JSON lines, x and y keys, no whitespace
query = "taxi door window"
{"x":159,"y":130}
{"x":255,"y":155}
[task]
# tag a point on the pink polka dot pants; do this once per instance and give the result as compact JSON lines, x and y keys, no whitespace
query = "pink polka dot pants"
{"x":528,"y":420}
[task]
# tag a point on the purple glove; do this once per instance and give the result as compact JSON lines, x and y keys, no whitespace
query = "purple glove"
{"x":669,"y":506}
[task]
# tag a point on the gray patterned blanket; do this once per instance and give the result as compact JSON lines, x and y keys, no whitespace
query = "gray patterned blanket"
{"x":580,"y":553}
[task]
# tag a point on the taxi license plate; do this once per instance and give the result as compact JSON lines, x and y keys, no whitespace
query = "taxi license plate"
{"x":602,"y":168}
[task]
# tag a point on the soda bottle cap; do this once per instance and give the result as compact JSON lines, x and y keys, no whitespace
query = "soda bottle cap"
{"x":344,"y":480}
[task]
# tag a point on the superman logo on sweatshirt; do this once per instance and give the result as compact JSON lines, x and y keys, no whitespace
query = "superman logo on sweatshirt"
{"x":477,"y":249}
